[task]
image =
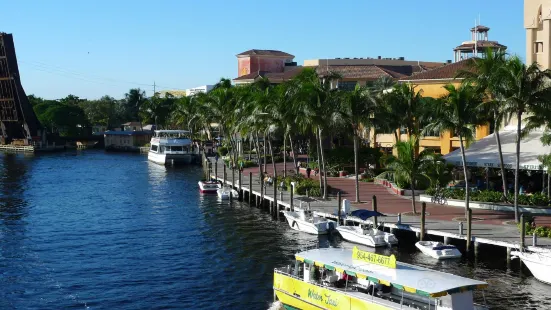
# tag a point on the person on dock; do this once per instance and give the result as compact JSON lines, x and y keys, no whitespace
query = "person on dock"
{"x":298,"y":167}
{"x":308,"y":171}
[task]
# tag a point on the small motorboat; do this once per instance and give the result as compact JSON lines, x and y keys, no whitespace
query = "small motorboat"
{"x":369,"y":237}
{"x":304,"y":221}
{"x":539,"y":264}
{"x":225,"y":192}
{"x":438,"y":250}
{"x":209,"y":186}
{"x":372,"y":237}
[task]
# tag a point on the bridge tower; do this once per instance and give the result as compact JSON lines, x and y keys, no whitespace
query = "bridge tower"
{"x":18,"y":122}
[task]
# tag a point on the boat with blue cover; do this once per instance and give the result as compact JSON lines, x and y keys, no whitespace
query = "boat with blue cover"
{"x":364,"y":234}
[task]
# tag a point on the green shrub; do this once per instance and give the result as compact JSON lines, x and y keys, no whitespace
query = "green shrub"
{"x":539,"y":199}
{"x":367,"y":180}
{"x":223,"y":151}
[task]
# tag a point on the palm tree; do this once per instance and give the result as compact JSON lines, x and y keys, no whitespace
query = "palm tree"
{"x":316,"y":98}
{"x":484,"y":73}
{"x":407,"y":165}
{"x":525,"y":89}
{"x":456,"y":115}
{"x":135,"y":98}
{"x":355,"y":110}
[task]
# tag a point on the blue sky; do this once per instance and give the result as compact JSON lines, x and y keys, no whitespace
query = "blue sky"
{"x":93,"y":48}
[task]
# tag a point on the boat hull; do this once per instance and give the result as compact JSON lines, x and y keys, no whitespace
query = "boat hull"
{"x":439,"y":254}
{"x":541,"y":270}
{"x":164,"y":159}
{"x":302,"y":295}
{"x":352,"y":236}
{"x":205,"y":189}
{"x":299,"y":224}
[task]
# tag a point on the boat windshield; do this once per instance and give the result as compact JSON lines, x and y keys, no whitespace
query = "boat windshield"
{"x":172,"y":134}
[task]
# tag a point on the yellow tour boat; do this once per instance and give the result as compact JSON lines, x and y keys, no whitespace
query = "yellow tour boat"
{"x":334,"y":278}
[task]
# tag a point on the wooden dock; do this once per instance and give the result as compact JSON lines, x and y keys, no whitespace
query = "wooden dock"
{"x":504,"y":236}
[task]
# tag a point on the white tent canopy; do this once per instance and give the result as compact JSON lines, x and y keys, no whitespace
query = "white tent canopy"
{"x":484,"y":153}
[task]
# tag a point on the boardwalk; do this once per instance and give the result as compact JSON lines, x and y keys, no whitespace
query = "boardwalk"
{"x":488,"y":226}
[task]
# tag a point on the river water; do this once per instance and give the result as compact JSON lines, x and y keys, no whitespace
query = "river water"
{"x":95,"y":230}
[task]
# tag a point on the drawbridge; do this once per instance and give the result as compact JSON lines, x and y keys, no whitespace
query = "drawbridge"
{"x":18,"y":122}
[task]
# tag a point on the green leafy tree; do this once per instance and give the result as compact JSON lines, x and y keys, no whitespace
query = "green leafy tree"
{"x":525,"y":90}
{"x":455,"y":114}
{"x":407,"y":165}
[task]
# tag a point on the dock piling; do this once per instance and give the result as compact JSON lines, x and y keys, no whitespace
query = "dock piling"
{"x":374,"y":204}
{"x":250,"y":187}
{"x":461,"y":228}
{"x":423,"y":210}
{"x":522,"y":231}
{"x":291,"y":199}
{"x":508,"y":258}
{"x":233,"y":178}
{"x":276,"y":207}
{"x":339,"y":202}
{"x":446,"y":240}
{"x":216,"y":171}
{"x":240,"y":187}
{"x":224,"y":175}
{"x":534,"y":239}
{"x":399,"y":219}
{"x":469,"y":229}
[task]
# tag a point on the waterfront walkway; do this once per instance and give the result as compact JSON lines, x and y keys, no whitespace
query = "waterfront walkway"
{"x":488,"y":226}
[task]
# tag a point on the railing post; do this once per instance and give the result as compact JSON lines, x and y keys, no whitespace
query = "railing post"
{"x":374,"y":204}
{"x":423,"y":210}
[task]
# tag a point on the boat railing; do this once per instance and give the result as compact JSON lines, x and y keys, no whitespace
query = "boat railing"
{"x":370,"y":298}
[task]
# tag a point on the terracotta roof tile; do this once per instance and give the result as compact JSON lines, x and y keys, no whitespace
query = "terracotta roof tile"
{"x":274,"y":77}
{"x":255,"y":52}
{"x":368,"y":72}
{"x":444,"y":72}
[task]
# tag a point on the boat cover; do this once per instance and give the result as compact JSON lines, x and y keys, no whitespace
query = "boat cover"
{"x":365,"y":214}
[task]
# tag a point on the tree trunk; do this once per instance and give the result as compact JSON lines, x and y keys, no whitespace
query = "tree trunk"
{"x":356,"y":166}
{"x":258,"y":156}
{"x":517,"y":164}
{"x":323,"y":165}
{"x":264,"y":146}
{"x":273,"y":163}
{"x":503,"y":174}
{"x":284,"y":156}
{"x":293,"y":152}
{"x":396,"y":136}
{"x":319,"y":162}
{"x":467,"y":192}
{"x":413,"y":195}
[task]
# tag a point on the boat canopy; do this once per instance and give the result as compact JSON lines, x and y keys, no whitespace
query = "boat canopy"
{"x":365,"y":214}
{"x":172,"y":131}
{"x":410,"y":278}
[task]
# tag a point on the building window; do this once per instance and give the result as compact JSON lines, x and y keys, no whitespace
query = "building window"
{"x":538,"y":47}
{"x":347,"y":85}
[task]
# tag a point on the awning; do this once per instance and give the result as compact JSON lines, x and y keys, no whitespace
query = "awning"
{"x":483,"y":153}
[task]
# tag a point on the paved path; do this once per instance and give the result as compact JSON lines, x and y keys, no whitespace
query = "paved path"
{"x":488,"y":225}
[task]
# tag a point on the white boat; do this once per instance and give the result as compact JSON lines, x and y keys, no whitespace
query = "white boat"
{"x":338,"y":279}
{"x":539,"y":264}
{"x":370,"y":237}
{"x":308,"y":223}
{"x":209,"y":186}
{"x":224,"y":193}
{"x":438,"y":250}
{"x":170,"y":147}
